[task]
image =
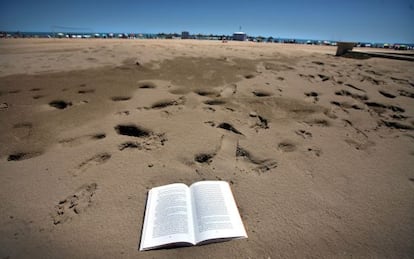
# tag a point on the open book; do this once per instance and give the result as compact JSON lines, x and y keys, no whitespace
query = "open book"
{"x":179,"y":215}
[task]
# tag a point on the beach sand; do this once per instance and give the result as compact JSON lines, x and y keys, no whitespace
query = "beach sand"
{"x":318,"y":149}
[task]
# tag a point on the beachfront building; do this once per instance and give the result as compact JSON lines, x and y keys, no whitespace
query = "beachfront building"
{"x":240,"y":36}
{"x":185,"y":35}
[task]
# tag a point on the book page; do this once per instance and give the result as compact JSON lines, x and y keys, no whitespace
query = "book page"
{"x":215,"y":213}
{"x":168,"y":217}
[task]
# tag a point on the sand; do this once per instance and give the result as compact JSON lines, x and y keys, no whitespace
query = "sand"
{"x":318,"y":149}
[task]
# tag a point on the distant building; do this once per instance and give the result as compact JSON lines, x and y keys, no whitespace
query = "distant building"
{"x":185,"y":35}
{"x":240,"y":36}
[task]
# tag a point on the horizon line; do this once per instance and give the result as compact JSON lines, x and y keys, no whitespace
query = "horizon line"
{"x":91,"y":32}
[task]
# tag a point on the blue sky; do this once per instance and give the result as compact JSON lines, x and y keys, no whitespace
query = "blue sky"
{"x":345,"y":20}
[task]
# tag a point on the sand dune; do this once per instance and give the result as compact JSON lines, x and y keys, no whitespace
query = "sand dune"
{"x":318,"y":149}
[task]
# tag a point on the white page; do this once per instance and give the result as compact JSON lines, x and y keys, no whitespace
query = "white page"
{"x":168,"y":217}
{"x":215,"y":214}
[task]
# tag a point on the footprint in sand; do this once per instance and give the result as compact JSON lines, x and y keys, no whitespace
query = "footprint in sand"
{"x":318,"y":122}
{"x":165,"y":103}
{"x":286,"y":146}
{"x":81,"y":139}
{"x":204,"y":158}
{"x":23,"y":155}
{"x":324,"y":77}
{"x":209,"y":109}
{"x":60,"y":104}
{"x":406,"y":93}
{"x":386,"y":94}
{"x":74,"y":204}
{"x":400,"y":80}
{"x":313,"y":95}
{"x":206,"y":92}
{"x":304,"y":134}
{"x":215,"y":102}
{"x":148,"y":140}
{"x":259,"y":165}
{"x":261,"y":93}
{"x":395,"y":125}
{"x":86,"y":91}
{"x":258,"y":122}
{"x":146,"y":85}
{"x":398,"y":117}
{"x":229,"y":127}
{"x":381,"y":108}
{"x":310,"y":78}
{"x":371,"y":80}
{"x":318,"y":63}
{"x":353,"y":95}
{"x":132,"y":130}
{"x":120,"y":98}
{"x":373,"y":72}
{"x":346,"y":105}
{"x":95,"y":160}
{"x":229,"y":156}
{"x":354,"y":87}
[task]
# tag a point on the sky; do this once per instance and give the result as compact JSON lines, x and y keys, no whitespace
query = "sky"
{"x":339,"y":20}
